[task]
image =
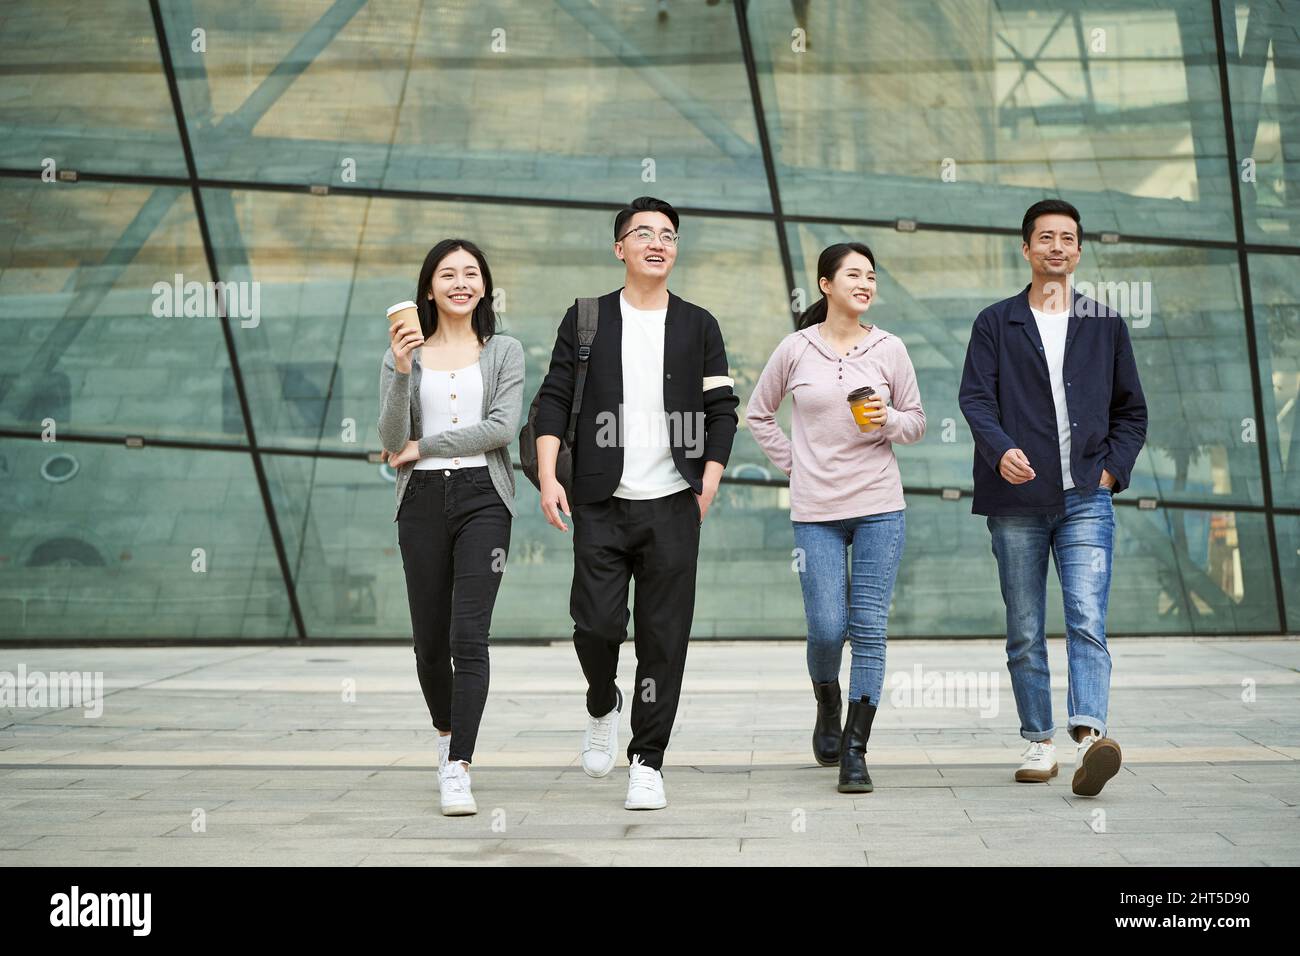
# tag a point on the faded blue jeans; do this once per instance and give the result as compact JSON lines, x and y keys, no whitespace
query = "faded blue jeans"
{"x":856,"y":609}
{"x":1081,"y":542}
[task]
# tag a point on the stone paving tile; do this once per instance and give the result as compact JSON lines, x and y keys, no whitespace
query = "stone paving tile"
{"x":289,"y":775}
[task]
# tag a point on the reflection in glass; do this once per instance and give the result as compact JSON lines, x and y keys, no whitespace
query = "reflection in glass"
{"x":1263,"y":54}
{"x":1288,"y":551}
{"x":953,"y":112}
{"x":84,"y":87}
{"x":105,"y":541}
{"x":1275,"y":295}
{"x":88,"y":312}
{"x":561,"y":100}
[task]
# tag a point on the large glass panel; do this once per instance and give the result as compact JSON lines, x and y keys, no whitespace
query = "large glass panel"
{"x":106,"y":324}
{"x":1185,"y":320}
{"x":1175,"y":571}
{"x":961,"y":110}
{"x":549,"y":115}
{"x":562,"y":100}
{"x":1263,"y":52}
{"x":1275,"y":295}
{"x":84,"y":86}
{"x":1288,"y":552}
{"x":1180,"y":571}
{"x":329,"y":267}
{"x":103,"y":541}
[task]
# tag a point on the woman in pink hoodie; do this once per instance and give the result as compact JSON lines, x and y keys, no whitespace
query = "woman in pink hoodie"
{"x":845,"y":490}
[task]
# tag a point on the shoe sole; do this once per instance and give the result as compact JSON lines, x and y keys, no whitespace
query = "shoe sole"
{"x":644,"y":806}
{"x":460,"y":810}
{"x":597,"y":776}
{"x":833,"y":762}
{"x":1037,"y":776}
{"x":1100,"y":763}
{"x":855,"y":788}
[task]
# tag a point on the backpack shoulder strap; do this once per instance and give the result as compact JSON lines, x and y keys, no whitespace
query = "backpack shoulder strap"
{"x":588,"y":320}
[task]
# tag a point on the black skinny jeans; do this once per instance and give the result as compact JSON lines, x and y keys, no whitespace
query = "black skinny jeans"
{"x":454,"y":533}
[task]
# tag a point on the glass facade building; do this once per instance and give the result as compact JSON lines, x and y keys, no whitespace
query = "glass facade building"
{"x":174,"y":473}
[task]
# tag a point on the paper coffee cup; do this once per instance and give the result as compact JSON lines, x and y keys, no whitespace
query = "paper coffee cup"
{"x":861,"y":400}
{"x":406,"y":313}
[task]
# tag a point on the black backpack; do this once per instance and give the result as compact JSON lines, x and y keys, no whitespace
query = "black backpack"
{"x":588,"y":316}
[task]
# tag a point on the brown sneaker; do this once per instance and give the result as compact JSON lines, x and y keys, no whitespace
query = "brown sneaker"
{"x":1096,"y":760}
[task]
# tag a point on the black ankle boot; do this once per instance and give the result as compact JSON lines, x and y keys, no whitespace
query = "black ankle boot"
{"x":826,"y":731}
{"x":853,"y":748}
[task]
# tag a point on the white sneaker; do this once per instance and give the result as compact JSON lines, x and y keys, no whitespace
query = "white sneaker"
{"x":1039,"y":763}
{"x":601,"y":740}
{"x":457,"y":800}
{"x":444,"y":751}
{"x":645,"y":787}
{"x":1096,"y":760}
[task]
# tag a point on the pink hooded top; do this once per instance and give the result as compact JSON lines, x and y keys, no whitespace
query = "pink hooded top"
{"x":835,"y":470}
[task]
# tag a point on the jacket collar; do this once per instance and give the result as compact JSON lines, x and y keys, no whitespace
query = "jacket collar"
{"x":1022,"y":314}
{"x":610,"y":312}
{"x":610,"y":302}
{"x":1020,"y":311}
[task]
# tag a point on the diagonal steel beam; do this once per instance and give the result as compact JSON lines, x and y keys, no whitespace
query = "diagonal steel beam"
{"x":62,"y":332}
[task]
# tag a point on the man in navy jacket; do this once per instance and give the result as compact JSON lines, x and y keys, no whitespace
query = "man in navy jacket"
{"x":1051,"y":393}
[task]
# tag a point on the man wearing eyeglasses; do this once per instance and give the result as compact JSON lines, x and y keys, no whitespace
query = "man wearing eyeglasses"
{"x":655,"y":427}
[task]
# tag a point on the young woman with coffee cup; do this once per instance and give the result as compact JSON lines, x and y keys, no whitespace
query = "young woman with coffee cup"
{"x":450,"y":394}
{"x":855,"y":395}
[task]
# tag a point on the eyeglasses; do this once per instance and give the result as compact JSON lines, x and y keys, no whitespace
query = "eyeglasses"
{"x":644,"y":235}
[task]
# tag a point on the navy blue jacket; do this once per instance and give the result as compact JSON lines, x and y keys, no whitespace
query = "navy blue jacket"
{"x":1006,"y":396}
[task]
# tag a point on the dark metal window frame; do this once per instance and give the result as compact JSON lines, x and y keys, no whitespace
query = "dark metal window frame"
{"x":779,"y":219}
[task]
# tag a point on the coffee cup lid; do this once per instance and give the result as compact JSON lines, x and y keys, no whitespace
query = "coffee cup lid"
{"x":400,"y":306}
{"x":862,"y":392}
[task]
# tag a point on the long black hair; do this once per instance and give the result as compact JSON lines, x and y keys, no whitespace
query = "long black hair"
{"x":484,"y":320}
{"x":828,"y":263}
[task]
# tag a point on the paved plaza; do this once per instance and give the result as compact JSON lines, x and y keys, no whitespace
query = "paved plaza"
{"x":324,"y":755}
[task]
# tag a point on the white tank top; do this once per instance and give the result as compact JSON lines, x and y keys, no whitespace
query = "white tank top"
{"x":450,"y":401}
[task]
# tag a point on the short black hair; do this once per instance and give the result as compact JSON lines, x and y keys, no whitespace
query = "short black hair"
{"x":642,"y":204}
{"x":1049,"y":207}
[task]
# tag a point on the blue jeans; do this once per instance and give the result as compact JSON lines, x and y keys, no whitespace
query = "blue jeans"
{"x":1081,"y":542}
{"x":838,"y":608}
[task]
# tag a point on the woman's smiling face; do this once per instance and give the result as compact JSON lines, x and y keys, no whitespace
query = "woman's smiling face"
{"x":854,"y":287}
{"x":457,"y":284}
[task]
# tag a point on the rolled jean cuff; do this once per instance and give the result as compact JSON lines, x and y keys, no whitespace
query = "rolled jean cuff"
{"x":1038,"y":734}
{"x":1084,"y":721}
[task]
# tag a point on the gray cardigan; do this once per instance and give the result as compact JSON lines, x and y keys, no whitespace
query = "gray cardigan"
{"x":502,"y":365}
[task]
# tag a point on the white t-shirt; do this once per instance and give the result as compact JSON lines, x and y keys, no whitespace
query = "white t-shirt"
{"x":1052,"y":329}
{"x":450,"y":401}
{"x":648,"y":467}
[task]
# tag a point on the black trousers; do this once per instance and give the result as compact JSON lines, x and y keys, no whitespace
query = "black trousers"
{"x":655,"y":542}
{"x":454,"y":533}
